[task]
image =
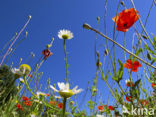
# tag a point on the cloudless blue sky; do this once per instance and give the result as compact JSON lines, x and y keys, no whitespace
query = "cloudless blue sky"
{"x":49,"y":16}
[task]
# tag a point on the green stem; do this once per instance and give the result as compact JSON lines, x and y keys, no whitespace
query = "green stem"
{"x":65,"y":52}
{"x":64,"y":107}
{"x":30,"y":90}
{"x":123,"y":48}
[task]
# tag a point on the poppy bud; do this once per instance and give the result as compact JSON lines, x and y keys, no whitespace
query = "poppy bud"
{"x":26,"y":33}
{"x":106,"y":52}
{"x":71,"y":102}
{"x":32,"y":54}
{"x":98,"y":18}
{"x":149,"y":56}
{"x":29,"y":16}
{"x":145,"y":37}
{"x":86,"y":26}
{"x":21,"y":60}
{"x":122,"y":3}
{"x":47,"y":53}
{"x":98,"y":64}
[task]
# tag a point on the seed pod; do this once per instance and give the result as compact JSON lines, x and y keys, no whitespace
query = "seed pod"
{"x":98,"y":18}
{"x":86,"y":26}
{"x":149,"y":56}
{"x":145,"y":37}
{"x":106,"y":52}
{"x":122,"y":3}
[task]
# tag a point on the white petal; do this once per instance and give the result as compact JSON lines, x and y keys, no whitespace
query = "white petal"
{"x":53,"y":88}
{"x":67,"y":86}
{"x":61,"y":85}
{"x":74,"y":88}
{"x":78,"y":91}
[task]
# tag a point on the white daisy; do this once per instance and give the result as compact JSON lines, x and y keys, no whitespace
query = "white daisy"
{"x":17,"y":72}
{"x":65,"y":34}
{"x":65,"y":91}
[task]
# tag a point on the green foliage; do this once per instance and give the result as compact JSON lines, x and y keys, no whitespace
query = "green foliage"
{"x":8,"y":88}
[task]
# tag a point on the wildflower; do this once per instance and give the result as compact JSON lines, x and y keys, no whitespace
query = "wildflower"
{"x":47,"y":53}
{"x":25,"y":98}
{"x":28,"y":103}
{"x":129,"y":83}
{"x":17,"y":73}
{"x":48,"y":94}
{"x":25,"y":68}
{"x":111,"y":108}
{"x":65,"y":91}
{"x":153,"y":85}
{"x":144,"y":102}
{"x":19,"y":107}
{"x":126,"y":19}
{"x":21,"y":80}
{"x":129,"y":98}
{"x":132,"y":65}
{"x":29,"y":75}
{"x":60,"y":105}
{"x":100,"y":108}
{"x":52,"y":102}
{"x":65,"y":34}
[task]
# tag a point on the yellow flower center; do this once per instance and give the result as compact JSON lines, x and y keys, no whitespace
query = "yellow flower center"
{"x":65,"y":36}
{"x":67,"y":94}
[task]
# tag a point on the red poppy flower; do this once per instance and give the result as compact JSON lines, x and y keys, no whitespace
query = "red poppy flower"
{"x":132,"y":65}
{"x":126,"y":19}
{"x":29,"y":75}
{"x":144,"y":102}
{"x":129,"y":98}
{"x":47,"y":53}
{"x":48,"y":94}
{"x":60,"y":105}
{"x":52,"y":102}
{"x":111,"y":108}
{"x":25,"y":98}
{"x":129,"y":83}
{"x":19,"y":107}
{"x":100,"y":108}
{"x":28,"y":103}
{"x":153,"y":85}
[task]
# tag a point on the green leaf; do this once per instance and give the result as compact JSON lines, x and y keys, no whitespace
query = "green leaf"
{"x":114,"y":78}
{"x":138,"y":52}
{"x":120,"y":71}
{"x":136,"y":83}
{"x":149,"y":50}
{"x":154,"y":41}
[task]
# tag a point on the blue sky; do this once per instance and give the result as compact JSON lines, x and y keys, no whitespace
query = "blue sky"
{"x":48,"y":17}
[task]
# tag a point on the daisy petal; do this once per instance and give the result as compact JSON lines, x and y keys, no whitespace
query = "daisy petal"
{"x":53,"y":88}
